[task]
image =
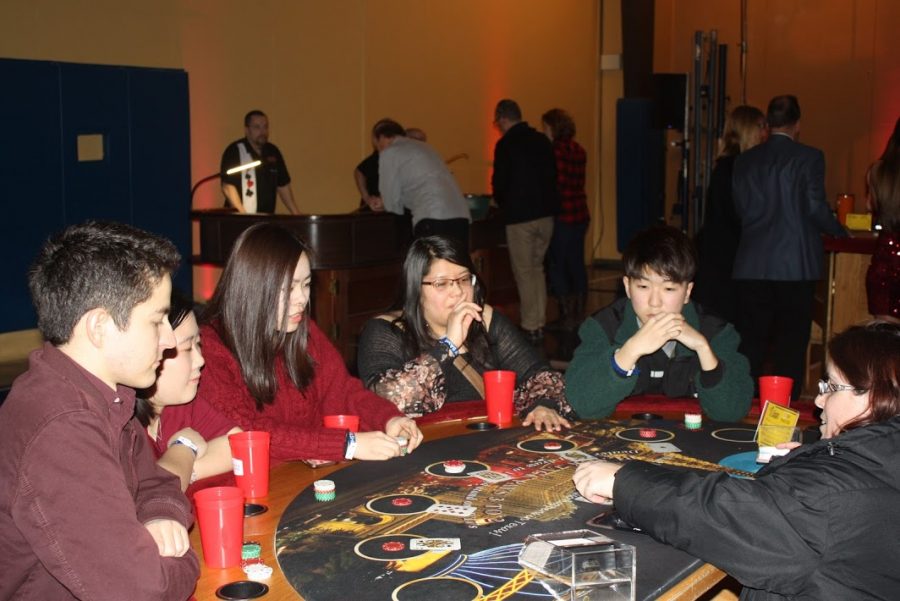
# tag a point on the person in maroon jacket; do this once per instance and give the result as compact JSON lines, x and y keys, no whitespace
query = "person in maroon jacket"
{"x":85,"y":511}
{"x":269,"y":367}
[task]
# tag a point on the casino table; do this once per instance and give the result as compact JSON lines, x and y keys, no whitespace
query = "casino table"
{"x":515,"y":482}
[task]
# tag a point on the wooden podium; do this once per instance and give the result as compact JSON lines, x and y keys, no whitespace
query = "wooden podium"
{"x":356,"y":261}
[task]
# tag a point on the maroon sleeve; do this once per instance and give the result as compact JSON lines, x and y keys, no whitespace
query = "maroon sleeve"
{"x":294,"y":420}
{"x":340,"y":392}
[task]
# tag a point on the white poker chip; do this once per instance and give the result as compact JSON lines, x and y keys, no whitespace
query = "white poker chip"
{"x":257,"y":571}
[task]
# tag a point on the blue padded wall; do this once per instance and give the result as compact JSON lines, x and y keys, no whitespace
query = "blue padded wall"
{"x":639,"y":169}
{"x":143,"y":179}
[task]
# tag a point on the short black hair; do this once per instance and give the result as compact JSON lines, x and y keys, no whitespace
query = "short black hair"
{"x":251,"y":114}
{"x":663,"y":249}
{"x":783,"y":111}
{"x":92,"y":265}
{"x":387,"y":128}
{"x":509,"y":109}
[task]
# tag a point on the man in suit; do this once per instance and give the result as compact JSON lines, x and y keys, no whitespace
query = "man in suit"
{"x":779,"y":195}
{"x":524,"y":184}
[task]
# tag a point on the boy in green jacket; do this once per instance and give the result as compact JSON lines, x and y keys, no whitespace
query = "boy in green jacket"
{"x":656,"y":341}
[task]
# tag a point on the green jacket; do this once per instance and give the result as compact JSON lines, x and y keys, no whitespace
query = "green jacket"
{"x":594,"y":388}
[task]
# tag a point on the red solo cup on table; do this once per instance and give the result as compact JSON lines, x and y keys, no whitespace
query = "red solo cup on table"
{"x":250,"y":460}
{"x":775,"y":389}
{"x":220,"y":516}
{"x":498,"y":393}
{"x":342,"y":422}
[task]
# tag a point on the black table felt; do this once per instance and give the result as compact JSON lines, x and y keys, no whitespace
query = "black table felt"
{"x":344,"y":549}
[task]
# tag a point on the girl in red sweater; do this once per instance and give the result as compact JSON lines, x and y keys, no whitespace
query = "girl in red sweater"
{"x":269,"y":367}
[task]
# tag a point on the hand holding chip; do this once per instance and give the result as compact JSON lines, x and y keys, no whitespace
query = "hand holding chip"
{"x":595,"y":479}
{"x":404,"y":427}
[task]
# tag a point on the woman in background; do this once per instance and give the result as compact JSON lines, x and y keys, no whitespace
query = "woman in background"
{"x":435,"y":350}
{"x":568,"y":276}
{"x":188,"y":437}
{"x":717,"y":240}
{"x":269,"y":367}
{"x":822,"y":522}
{"x":883,"y":276}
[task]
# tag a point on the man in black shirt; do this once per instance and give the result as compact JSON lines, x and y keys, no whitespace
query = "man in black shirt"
{"x":524,"y":184}
{"x":253,"y":190}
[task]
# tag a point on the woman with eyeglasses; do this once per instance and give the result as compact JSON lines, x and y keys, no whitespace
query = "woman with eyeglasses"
{"x":436,"y":348}
{"x":269,"y":366}
{"x":822,"y":522}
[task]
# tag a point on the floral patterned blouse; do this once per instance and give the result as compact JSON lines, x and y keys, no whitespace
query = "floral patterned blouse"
{"x":422,"y":384}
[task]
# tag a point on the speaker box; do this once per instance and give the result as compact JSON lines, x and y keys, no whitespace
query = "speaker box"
{"x":669,"y":91}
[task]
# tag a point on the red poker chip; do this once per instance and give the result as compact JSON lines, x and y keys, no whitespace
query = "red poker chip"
{"x":393,"y":546}
{"x":552,"y":446}
{"x":454,"y":463}
{"x":401,"y":502}
{"x":647,"y":433}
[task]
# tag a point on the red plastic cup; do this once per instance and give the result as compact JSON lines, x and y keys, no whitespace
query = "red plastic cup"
{"x":775,"y":389}
{"x":498,"y":392}
{"x":250,"y":460}
{"x":220,"y":516}
{"x":342,"y":422}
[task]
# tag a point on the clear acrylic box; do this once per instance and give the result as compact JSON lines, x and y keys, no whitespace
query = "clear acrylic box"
{"x":581,"y":564}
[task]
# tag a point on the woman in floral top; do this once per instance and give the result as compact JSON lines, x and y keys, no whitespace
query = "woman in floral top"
{"x":435,"y":349}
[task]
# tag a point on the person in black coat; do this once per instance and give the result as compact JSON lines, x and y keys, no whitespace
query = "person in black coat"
{"x":717,"y":240}
{"x":822,"y":522}
{"x":779,"y":195}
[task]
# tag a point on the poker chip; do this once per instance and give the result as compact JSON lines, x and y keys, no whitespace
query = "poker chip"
{"x":393,"y":546}
{"x":401,"y":502}
{"x":454,"y":466}
{"x":324,"y":490}
{"x":693,"y":421}
{"x":403,"y":442}
{"x":251,"y":551}
{"x":647,"y":432}
{"x":552,"y":446}
{"x":257,"y":571}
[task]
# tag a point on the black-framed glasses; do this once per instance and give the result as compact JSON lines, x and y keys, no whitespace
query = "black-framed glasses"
{"x":827,"y":387}
{"x":463,"y":282}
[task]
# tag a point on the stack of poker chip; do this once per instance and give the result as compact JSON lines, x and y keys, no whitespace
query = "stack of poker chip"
{"x":403,"y":442}
{"x":324,"y":490}
{"x":454,"y":466}
{"x":651,"y":432}
{"x":693,"y":421}
{"x":252,"y":564}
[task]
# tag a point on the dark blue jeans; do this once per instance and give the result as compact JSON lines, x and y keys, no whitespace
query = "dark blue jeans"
{"x":567,"y":273}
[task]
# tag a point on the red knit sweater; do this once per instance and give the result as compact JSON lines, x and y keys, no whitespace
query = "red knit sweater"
{"x":294,"y":419}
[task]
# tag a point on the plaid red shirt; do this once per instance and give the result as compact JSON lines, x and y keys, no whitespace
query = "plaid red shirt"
{"x":570,"y":168}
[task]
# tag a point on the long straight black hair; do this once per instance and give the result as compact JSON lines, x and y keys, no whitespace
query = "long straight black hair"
{"x":243,"y":310}
{"x":416,"y":335}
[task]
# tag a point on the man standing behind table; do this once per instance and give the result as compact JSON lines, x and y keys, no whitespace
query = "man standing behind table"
{"x":253,"y":190}
{"x":85,"y":511}
{"x":524,"y":184}
{"x":412,"y":175}
{"x":779,"y":196}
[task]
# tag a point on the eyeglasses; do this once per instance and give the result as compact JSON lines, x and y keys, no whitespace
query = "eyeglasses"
{"x":827,"y":387}
{"x":463,"y":282}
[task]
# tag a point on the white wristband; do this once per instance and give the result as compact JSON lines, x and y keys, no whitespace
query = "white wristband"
{"x":351,"y":446}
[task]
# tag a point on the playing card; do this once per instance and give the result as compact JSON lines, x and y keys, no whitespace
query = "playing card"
{"x":663,"y":447}
{"x":434,"y":544}
{"x":490,"y":476}
{"x":459,"y":511}
{"x":576,"y":456}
